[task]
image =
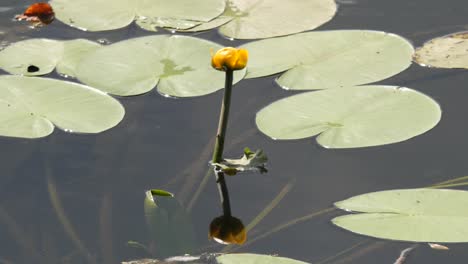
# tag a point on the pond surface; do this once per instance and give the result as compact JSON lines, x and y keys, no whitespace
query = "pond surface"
{"x":74,"y":198}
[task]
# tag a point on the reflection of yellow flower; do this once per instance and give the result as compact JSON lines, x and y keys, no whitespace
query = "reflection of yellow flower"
{"x":228,"y":230}
{"x":229,"y":59}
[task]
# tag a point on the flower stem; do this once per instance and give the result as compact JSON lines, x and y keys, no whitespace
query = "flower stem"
{"x":219,"y":145}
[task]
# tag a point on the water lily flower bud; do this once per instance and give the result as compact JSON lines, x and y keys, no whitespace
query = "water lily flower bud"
{"x":229,"y":59}
{"x":228,"y":230}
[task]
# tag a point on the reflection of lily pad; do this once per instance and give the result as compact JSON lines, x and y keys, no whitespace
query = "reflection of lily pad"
{"x":419,"y":215}
{"x":255,"y":259}
{"x":45,"y":55}
{"x":251,"y":19}
{"x":113,"y":14}
{"x":351,"y":117}
{"x":444,"y":52}
{"x":179,"y":66}
{"x":30,"y":107}
{"x":329,"y":59}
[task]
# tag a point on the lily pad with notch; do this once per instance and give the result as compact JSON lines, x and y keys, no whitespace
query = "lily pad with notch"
{"x":32,"y":106}
{"x":352,"y":117}
{"x":102,"y":15}
{"x":35,"y":57}
{"x":246,"y":19}
{"x":169,"y":224}
{"x":329,"y":59}
{"x":178,"y":66}
{"x":416,"y":215}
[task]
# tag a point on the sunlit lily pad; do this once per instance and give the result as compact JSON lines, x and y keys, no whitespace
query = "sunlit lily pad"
{"x":329,"y":59}
{"x":351,"y":117}
{"x":253,"y":19}
{"x":418,"y":215}
{"x":34,"y":57}
{"x":246,"y":258}
{"x":444,"y":52}
{"x":31,"y":106}
{"x":180,"y":66}
{"x":113,"y":14}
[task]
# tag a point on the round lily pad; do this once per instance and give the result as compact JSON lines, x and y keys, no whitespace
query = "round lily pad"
{"x":180,"y":66}
{"x":329,"y":59}
{"x":351,"y":117}
{"x":113,"y":14}
{"x":34,"y":57}
{"x":31,"y":106}
{"x":270,"y":18}
{"x":417,"y":215}
{"x":444,"y":52}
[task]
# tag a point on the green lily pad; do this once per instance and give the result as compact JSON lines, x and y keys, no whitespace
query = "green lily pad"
{"x":444,"y":52}
{"x":418,"y":215}
{"x":113,"y":14}
{"x":351,"y":117}
{"x":31,"y":106}
{"x":73,"y":51}
{"x":269,"y":18}
{"x":34,"y":57}
{"x":329,"y":59}
{"x":246,"y":258}
{"x":180,"y":66}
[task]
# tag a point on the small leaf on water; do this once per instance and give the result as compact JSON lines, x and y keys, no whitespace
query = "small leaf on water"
{"x":444,"y":52}
{"x":250,"y":161}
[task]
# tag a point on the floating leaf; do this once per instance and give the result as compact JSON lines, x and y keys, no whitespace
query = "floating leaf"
{"x":444,"y":52}
{"x":31,"y":106}
{"x":246,"y":258}
{"x":73,"y":51}
{"x":43,"y":55}
{"x":113,"y":14}
{"x":418,"y":215}
{"x":351,"y":117}
{"x":219,"y":21}
{"x":270,"y":18}
{"x":180,"y":66}
{"x":250,"y":161}
{"x":329,"y":59}
{"x":169,"y":225}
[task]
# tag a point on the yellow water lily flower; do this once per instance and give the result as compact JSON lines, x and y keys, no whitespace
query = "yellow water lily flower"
{"x":228,"y":230}
{"x":229,"y":59}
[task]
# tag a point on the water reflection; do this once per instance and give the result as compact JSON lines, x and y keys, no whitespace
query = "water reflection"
{"x":227,"y":229}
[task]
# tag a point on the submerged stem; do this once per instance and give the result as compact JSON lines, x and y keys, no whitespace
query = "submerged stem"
{"x":219,"y":145}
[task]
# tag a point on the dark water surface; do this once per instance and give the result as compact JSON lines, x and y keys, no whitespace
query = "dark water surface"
{"x":97,"y":182}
